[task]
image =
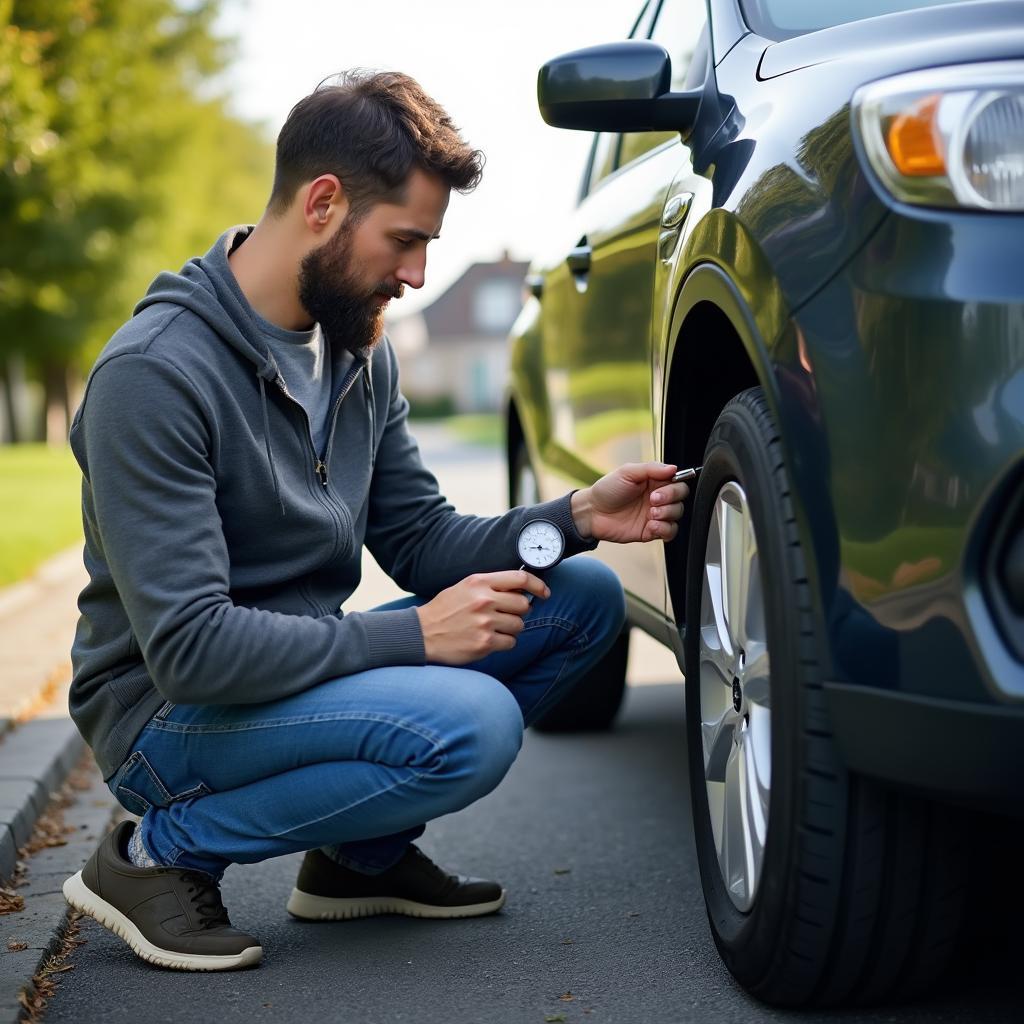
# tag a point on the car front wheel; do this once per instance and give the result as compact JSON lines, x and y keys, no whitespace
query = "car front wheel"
{"x":821,"y":887}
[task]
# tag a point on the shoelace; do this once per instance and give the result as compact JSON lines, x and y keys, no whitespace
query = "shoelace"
{"x":443,"y":879}
{"x":204,"y":893}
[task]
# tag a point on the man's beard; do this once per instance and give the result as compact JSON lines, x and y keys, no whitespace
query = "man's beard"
{"x":332,"y":295}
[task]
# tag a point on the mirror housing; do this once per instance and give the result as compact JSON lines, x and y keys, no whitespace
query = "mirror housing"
{"x":617,"y":87}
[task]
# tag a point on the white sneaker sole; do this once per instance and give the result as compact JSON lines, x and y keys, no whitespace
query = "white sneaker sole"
{"x":324,"y":908}
{"x":82,"y":898}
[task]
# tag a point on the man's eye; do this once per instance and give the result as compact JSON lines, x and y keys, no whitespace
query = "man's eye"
{"x":403,"y":243}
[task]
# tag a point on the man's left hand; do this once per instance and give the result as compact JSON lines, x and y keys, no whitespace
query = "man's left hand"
{"x":636,"y":502}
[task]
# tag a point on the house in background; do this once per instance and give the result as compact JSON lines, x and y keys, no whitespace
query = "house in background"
{"x":456,"y":347}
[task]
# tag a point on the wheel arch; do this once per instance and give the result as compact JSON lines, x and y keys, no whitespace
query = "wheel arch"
{"x":701,"y":378}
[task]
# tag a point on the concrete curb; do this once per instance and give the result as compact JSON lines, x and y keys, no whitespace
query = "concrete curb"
{"x":43,"y":924}
{"x":35,"y":758}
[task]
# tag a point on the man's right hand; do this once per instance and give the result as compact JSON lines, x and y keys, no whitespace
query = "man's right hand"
{"x":480,"y":614}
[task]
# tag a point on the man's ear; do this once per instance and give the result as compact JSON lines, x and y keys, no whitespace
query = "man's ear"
{"x":324,"y":204}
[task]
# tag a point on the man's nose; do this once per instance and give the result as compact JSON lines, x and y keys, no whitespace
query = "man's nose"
{"x":413,"y":272}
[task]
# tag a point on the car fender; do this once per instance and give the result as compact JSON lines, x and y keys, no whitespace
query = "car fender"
{"x":724,"y":266}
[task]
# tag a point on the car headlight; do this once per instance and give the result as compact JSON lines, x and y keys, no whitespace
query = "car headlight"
{"x":951,"y":136}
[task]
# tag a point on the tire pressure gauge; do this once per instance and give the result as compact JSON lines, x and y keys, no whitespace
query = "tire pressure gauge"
{"x":540,"y":544}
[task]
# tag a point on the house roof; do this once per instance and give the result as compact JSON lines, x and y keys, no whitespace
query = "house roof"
{"x":455,"y":312}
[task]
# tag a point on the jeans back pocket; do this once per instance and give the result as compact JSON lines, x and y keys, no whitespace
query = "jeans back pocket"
{"x":138,"y":787}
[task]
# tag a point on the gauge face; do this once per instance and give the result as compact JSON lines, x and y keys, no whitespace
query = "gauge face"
{"x":540,"y":544}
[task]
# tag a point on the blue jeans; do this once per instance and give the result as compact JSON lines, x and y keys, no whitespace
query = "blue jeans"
{"x":357,"y":764}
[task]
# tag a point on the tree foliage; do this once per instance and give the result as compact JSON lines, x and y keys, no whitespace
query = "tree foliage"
{"x":117,"y":159}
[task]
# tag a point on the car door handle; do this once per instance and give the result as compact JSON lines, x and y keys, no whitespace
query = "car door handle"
{"x":676,"y":209}
{"x":673,"y":216}
{"x":579,"y":258}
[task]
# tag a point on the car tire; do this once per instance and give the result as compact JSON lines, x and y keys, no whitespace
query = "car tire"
{"x":593,"y":703}
{"x":839,"y":890}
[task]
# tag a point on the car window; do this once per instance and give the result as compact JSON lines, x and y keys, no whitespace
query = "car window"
{"x":681,"y":27}
{"x":602,"y":163}
{"x":783,"y":19}
{"x":605,"y":148}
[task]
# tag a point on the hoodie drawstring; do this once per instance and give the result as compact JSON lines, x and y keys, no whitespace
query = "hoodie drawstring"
{"x":266,"y":441}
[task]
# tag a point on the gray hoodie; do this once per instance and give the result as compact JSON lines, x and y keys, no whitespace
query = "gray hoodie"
{"x":220,"y":548}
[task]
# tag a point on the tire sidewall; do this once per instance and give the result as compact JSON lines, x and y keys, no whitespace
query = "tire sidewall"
{"x":737,"y":451}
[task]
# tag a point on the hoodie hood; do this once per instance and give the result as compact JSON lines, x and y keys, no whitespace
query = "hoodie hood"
{"x":206,"y":286}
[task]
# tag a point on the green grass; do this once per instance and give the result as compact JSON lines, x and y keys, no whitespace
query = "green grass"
{"x":482,"y":428}
{"x":40,"y":494}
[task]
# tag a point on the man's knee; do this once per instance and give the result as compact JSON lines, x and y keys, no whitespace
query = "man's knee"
{"x":484,"y":729}
{"x":600,"y":589}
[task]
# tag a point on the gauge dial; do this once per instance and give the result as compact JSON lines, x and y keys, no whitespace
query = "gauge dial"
{"x":540,"y":544}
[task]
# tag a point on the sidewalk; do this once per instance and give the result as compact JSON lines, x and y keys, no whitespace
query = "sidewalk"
{"x":37,"y":625}
{"x":43,"y":815}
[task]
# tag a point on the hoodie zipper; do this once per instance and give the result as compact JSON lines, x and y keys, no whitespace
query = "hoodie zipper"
{"x":320,"y":465}
{"x":338,"y":514}
{"x":342,"y":520}
{"x":346,"y":386}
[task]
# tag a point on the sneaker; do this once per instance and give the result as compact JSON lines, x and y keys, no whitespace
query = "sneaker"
{"x":169,"y":916}
{"x":415,"y":886}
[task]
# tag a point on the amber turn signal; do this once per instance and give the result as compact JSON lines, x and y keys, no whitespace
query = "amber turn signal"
{"x":914,"y":141}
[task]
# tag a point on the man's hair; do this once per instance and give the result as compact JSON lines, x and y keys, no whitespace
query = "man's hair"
{"x":371,"y":129}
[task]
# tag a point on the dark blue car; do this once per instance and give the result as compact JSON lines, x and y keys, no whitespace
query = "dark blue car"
{"x":797,"y":261}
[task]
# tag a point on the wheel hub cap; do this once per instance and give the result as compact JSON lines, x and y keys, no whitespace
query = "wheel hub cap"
{"x":735,"y":695}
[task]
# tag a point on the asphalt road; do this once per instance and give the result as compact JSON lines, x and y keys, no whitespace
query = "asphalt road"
{"x":604,"y":922}
{"x":591,"y":835}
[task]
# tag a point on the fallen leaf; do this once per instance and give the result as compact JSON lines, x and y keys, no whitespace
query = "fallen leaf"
{"x":553,"y":1018}
{"x":562,"y":871}
{"x":567,"y":998}
{"x":15,"y":946}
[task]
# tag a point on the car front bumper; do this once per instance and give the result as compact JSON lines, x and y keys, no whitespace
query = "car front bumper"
{"x":959,"y":751}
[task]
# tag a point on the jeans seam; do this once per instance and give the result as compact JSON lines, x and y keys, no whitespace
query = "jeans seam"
{"x":551,"y":620}
{"x":276,"y":723}
{"x":348,"y":807}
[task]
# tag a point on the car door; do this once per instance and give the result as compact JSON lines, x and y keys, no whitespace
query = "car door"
{"x":600,"y":355}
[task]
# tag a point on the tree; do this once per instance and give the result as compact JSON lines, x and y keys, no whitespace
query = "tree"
{"x":110,"y":155}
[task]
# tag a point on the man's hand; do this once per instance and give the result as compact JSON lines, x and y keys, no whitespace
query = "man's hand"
{"x":636,"y":502}
{"x":480,"y":614}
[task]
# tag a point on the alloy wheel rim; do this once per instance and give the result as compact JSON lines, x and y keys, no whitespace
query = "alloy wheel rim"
{"x":735,"y":695}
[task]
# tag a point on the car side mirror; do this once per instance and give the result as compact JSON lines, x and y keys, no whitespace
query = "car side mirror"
{"x":615,"y":87}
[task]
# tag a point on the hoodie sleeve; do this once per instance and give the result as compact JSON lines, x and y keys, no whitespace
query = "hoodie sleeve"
{"x":152,"y":490}
{"x":418,"y":538}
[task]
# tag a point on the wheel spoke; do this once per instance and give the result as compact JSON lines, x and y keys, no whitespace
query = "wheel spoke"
{"x":732,"y":568}
{"x":751,"y":625}
{"x":733,"y":832}
{"x":714,"y":579}
{"x":756,"y":679}
{"x":756,"y":803}
{"x":760,"y":739}
{"x":718,"y":743}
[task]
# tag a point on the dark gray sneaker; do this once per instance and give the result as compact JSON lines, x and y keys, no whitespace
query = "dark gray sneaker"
{"x":169,"y":916}
{"x":415,"y":886}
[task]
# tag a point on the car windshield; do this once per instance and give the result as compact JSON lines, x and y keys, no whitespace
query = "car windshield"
{"x":783,"y":19}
